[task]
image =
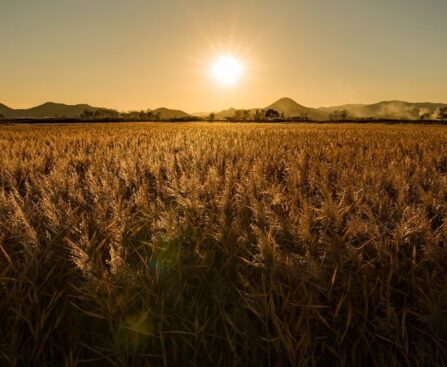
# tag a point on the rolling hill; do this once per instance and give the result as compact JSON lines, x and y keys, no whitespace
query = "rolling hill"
{"x":223,"y":115}
{"x":47,"y":110}
{"x":286,"y":106}
{"x":290,"y":108}
{"x":389,"y":110}
{"x":51,"y":110}
{"x":166,"y":113}
{"x":5,"y":110}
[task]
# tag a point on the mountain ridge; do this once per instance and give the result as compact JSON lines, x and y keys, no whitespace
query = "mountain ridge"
{"x":167,"y":113}
{"x":46,"y":110}
{"x":286,"y":107}
{"x":62,"y":110}
{"x":290,"y":108}
{"x":394,"y":109}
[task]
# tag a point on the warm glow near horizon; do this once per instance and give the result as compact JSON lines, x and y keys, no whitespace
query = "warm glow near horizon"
{"x":139,"y":54}
{"x":227,"y":70}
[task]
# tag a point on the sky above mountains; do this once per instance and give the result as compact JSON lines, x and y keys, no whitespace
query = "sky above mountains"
{"x":140,"y":54}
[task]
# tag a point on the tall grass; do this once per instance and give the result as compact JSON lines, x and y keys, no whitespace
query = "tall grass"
{"x":196,"y":244}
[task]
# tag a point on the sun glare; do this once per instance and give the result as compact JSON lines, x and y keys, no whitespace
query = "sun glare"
{"x":227,"y":70}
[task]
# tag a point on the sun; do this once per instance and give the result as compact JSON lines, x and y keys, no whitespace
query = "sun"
{"x":227,"y":70}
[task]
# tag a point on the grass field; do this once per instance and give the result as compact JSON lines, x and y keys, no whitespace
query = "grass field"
{"x":223,"y":244}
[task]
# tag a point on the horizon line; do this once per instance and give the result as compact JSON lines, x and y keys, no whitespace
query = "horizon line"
{"x":231,"y":107}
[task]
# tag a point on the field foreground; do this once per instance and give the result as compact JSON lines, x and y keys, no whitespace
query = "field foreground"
{"x":223,"y":244}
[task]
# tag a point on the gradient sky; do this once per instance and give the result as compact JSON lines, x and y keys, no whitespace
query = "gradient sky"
{"x":139,"y":54}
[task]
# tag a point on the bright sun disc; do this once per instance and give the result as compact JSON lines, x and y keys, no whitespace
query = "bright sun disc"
{"x":227,"y":70}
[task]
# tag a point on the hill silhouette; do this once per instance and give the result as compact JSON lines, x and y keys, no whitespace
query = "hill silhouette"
{"x":290,"y":108}
{"x":47,"y":110}
{"x":222,"y":115}
{"x":286,"y":107}
{"x":166,"y":113}
{"x":389,"y":110}
{"x":5,"y":110}
{"x":61,"y":110}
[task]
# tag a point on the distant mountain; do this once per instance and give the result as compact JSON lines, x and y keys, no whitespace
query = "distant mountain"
{"x":290,"y":108}
{"x":50,"y":109}
{"x":389,"y":110}
{"x":166,"y":113}
{"x":286,"y":106}
{"x":5,"y":110}
{"x":222,"y":115}
{"x":46,"y":110}
{"x":231,"y":112}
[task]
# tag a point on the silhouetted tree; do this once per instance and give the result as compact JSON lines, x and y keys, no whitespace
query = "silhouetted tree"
{"x":87,"y":114}
{"x":417,"y":112}
{"x":102,"y":114}
{"x":211,"y":117}
{"x":143,"y":115}
{"x":259,"y":115}
{"x":238,"y":115}
{"x":333,"y":116}
{"x":442,"y":113}
{"x":133,"y":115}
{"x":302,"y":117}
{"x":344,"y":115}
{"x":425,"y":116}
{"x":271,"y":114}
{"x":245,"y":115}
{"x":339,"y":115}
{"x":98,"y":114}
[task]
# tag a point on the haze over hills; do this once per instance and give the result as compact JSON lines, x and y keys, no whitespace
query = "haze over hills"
{"x":286,"y":107}
{"x":382,"y":110}
{"x":49,"y":109}
{"x":390,"y":110}
{"x":222,"y":115}
{"x":166,"y":113}
{"x":54,"y":110}
{"x":290,"y":108}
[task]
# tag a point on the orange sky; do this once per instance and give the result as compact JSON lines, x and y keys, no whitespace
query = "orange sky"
{"x":141,"y":54}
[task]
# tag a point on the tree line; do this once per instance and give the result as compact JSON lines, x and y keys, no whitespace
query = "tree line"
{"x":103,"y":114}
{"x":269,"y":114}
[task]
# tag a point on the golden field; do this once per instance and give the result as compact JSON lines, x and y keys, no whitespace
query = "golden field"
{"x":223,"y":244}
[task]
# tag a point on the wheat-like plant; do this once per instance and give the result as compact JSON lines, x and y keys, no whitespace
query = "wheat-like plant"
{"x":223,"y":244}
